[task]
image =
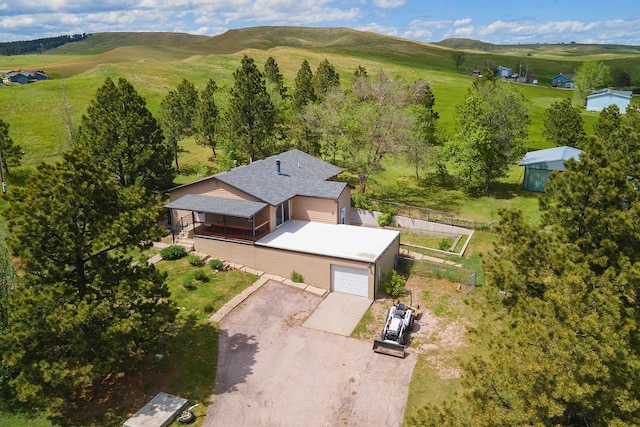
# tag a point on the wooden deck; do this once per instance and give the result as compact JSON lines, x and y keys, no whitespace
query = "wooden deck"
{"x":231,"y":232}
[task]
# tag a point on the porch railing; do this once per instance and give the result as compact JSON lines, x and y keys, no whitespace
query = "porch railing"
{"x":232,"y":232}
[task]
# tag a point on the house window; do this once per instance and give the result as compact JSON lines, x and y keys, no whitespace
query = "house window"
{"x":282,"y":213}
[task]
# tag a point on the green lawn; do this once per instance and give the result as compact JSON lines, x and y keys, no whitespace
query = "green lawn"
{"x":187,"y":368}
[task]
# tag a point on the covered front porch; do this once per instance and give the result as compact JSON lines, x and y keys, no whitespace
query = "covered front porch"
{"x":219,"y":218}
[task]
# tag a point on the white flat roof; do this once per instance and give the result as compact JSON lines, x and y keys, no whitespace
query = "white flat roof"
{"x":335,"y":240}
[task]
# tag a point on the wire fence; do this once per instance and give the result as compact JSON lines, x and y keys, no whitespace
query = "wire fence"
{"x":432,"y":215}
{"x":463,"y":277}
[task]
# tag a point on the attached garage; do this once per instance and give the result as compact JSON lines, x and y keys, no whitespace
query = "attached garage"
{"x":336,"y":257}
{"x":350,"y":280}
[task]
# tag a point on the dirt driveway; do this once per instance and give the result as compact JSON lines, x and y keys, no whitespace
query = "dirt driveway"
{"x":272,"y":371}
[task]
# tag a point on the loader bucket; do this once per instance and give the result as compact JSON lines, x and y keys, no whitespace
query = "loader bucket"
{"x":390,"y":348}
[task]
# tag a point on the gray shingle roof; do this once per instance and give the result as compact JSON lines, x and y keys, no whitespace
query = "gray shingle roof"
{"x":300,"y":175}
{"x":217,"y":205}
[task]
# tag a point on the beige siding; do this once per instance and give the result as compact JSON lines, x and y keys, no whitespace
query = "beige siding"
{"x":211,"y":187}
{"x":344,"y":201}
{"x":315,"y":269}
{"x":314,"y":210}
{"x":387,"y":261}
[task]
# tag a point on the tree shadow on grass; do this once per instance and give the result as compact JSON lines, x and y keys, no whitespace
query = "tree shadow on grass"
{"x":186,"y":368}
{"x":504,"y":190}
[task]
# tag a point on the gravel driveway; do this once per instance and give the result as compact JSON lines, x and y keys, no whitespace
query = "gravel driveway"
{"x":272,"y":371}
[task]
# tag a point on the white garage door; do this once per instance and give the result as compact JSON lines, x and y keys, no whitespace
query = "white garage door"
{"x":350,"y":280}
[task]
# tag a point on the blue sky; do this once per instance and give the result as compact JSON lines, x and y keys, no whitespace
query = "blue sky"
{"x":500,"y":22}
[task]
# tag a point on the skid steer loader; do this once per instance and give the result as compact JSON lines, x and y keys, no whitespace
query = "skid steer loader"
{"x":400,"y":320}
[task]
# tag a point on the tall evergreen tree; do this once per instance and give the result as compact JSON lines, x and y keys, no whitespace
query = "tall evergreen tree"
{"x":83,"y":309}
{"x":273,"y":75}
{"x":250,"y":118}
{"x":304,"y":92}
{"x":563,"y":124}
{"x":122,"y":134}
{"x":325,"y":78}
{"x":359,"y":72}
{"x":177,"y":115}
{"x":10,"y":153}
{"x":207,"y":117}
{"x":562,"y":329}
{"x":608,"y":122}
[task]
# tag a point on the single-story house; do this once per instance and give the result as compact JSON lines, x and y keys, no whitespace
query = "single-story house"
{"x":283,"y":214}
{"x":539,"y":164}
{"x":503,"y":72}
{"x":600,"y":99}
{"x":564,"y":81}
{"x":26,"y":76}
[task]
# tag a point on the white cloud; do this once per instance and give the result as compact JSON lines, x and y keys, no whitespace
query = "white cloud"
{"x":389,"y":4}
{"x":465,"y":21}
{"x":380,"y":29}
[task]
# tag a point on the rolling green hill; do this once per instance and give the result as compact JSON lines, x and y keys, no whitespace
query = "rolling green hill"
{"x":543,"y":60}
{"x":156,"y":62}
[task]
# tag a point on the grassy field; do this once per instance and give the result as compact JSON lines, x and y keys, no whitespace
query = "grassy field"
{"x":155,"y":63}
{"x":187,"y":368}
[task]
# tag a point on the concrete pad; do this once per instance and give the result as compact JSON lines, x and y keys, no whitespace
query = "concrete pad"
{"x":219,"y":315}
{"x":338,"y":313}
{"x":298,"y":285}
{"x":155,"y":259}
{"x":273,"y":372}
{"x":316,"y":291}
{"x":159,"y":412}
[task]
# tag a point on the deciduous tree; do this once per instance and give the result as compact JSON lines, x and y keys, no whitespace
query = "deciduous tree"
{"x":366,"y":124}
{"x":591,"y":76}
{"x":493,"y":120}
{"x":563,"y":124}
{"x":122,"y":134}
{"x":83,"y":309}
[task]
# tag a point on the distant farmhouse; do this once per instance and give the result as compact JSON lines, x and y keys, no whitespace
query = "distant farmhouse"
{"x":564,"y":81}
{"x":24,"y":77}
{"x":539,"y":164}
{"x":503,"y":72}
{"x":600,"y":99}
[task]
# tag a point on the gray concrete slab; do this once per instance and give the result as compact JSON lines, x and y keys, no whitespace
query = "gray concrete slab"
{"x":338,"y":313}
{"x":159,"y":412}
{"x":274,"y":372}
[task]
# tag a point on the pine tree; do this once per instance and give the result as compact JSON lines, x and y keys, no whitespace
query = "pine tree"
{"x":251,"y":115}
{"x":273,"y":75}
{"x":207,"y":117}
{"x":304,"y":92}
{"x":82,"y":309}
{"x":325,"y":78}
{"x":177,"y":115}
{"x":122,"y":134}
{"x":561,"y":333}
{"x":10,"y":153}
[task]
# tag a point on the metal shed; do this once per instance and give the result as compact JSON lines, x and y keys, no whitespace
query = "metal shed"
{"x":539,"y":164}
